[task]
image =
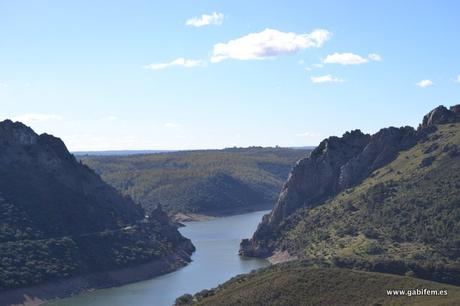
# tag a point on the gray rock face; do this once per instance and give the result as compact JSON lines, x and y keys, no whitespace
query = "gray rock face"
{"x":317,"y":177}
{"x":441,"y":115}
{"x":337,"y":164}
{"x":382,"y":148}
{"x":16,"y":133}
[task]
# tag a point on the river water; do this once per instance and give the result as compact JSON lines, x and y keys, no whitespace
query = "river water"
{"x":214,"y":261}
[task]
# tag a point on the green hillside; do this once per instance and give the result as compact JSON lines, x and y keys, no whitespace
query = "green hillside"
{"x":407,"y":210}
{"x":298,"y":283}
{"x":212,"y":182}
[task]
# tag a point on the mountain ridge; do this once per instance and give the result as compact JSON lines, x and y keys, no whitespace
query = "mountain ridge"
{"x":59,"y":220}
{"x":332,"y":180}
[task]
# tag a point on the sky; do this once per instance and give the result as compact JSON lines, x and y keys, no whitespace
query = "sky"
{"x":120,"y":75}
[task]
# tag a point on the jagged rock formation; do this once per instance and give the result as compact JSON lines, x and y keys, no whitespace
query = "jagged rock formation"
{"x":337,"y":164}
{"x":39,"y":175}
{"x":58,"y":219}
{"x":441,"y":115}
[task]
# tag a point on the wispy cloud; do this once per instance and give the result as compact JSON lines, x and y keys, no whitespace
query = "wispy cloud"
{"x":307,"y":134}
{"x":458,"y":79}
{"x":110,"y":118}
{"x":179,"y":62}
{"x":268,"y":44}
{"x":425,"y":83}
{"x":3,"y":85}
{"x":374,"y":57}
{"x":206,"y":19}
{"x":349,"y":58}
{"x":326,"y":79}
{"x":34,"y":118}
{"x":171,"y":125}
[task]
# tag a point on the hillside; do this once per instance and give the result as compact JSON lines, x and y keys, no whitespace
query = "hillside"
{"x":388,"y":202}
{"x":210,"y":182}
{"x":299,"y":283}
{"x":59,"y":220}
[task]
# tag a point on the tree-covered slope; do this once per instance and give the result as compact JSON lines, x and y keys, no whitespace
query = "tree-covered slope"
{"x":58,"y":219}
{"x":210,"y":182}
{"x":403,"y":217}
{"x":298,"y":283}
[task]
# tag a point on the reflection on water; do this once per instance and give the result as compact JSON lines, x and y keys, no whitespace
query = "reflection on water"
{"x":215,"y":261}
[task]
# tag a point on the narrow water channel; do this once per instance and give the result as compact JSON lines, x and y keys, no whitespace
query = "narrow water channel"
{"x":215,"y":261}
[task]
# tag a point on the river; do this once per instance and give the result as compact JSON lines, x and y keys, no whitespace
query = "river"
{"x":214,"y":261}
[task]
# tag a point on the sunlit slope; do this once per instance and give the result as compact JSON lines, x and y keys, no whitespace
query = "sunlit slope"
{"x":407,"y":210}
{"x":300,"y":284}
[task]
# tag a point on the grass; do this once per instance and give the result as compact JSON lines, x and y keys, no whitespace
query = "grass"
{"x":299,"y":283}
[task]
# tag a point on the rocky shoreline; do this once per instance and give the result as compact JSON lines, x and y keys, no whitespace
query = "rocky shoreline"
{"x":40,"y":294}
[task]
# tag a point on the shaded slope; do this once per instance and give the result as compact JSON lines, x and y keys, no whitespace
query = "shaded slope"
{"x":58,"y":219}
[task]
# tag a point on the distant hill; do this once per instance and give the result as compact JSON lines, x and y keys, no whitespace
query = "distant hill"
{"x":298,"y":283}
{"x":388,"y":202}
{"x":118,"y":152}
{"x":59,"y":219}
{"x":211,"y":182}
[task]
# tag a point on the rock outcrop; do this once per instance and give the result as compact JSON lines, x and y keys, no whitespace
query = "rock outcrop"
{"x":60,"y":220}
{"x":335,"y":165}
{"x":441,"y":115}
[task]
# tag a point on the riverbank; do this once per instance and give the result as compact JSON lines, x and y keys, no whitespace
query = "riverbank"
{"x":215,"y":261}
{"x":209,"y":215}
{"x":40,"y":294}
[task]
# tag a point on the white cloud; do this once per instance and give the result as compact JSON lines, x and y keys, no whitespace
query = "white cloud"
{"x":205,"y":19}
{"x":34,"y":118}
{"x":267,"y":44}
{"x":326,"y":79}
{"x":171,"y":125}
{"x":3,"y":85}
{"x":349,"y":58}
{"x":425,"y":83}
{"x":374,"y":57}
{"x":181,"y":62}
{"x":300,"y":62}
{"x":345,"y":59}
{"x":458,"y":79}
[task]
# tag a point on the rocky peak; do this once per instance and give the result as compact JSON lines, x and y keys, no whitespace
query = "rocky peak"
{"x":56,"y":145}
{"x":381,"y":149}
{"x":455,"y":109}
{"x":16,"y":133}
{"x":336,"y":164}
{"x":317,"y":177}
{"x":38,"y":174}
{"x":441,"y":115}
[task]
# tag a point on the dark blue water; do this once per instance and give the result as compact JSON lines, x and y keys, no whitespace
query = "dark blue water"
{"x":215,"y":261}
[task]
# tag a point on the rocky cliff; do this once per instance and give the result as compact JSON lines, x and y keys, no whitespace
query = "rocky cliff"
{"x":335,"y":165}
{"x":59,"y":220}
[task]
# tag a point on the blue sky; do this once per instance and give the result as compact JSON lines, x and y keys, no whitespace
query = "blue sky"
{"x":211,"y":74}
